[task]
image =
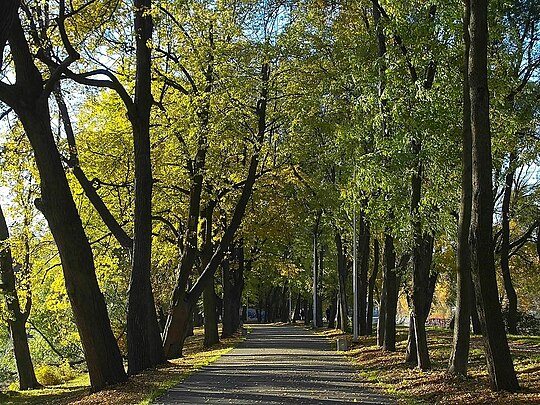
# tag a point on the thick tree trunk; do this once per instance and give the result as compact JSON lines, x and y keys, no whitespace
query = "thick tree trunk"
{"x":16,"y":318}
{"x":211,"y":335}
{"x":233,"y":285}
{"x":30,"y":102}
{"x":499,"y":361}
{"x":364,"y":269}
{"x":391,"y":295}
{"x":511,"y":294}
{"x":143,"y":334}
{"x":459,"y":358}
{"x":371,"y":292}
{"x":411,"y":355}
{"x":422,"y":254}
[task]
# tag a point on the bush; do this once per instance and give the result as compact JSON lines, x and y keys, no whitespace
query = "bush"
{"x":527,"y":324}
{"x":48,"y":375}
{"x":54,"y":375}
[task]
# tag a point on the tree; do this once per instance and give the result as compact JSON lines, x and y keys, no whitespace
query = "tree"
{"x":459,"y":357}
{"x":29,"y":99}
{"x":499,"y":360}
{"x":16,"y":317}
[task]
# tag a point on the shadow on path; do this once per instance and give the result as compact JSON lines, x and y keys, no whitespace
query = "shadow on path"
{"x":275,"y":365}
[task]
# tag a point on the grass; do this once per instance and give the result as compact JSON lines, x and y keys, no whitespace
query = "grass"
{"x":388,"y":372}
{"x":140,"y":389}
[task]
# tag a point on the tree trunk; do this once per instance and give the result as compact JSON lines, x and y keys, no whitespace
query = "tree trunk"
{"x":499,"y":360}
{"x":382,"y":308}
{"x":320,"y":291}
{"x":420,"y":298}
{"x":238,"y":283}
{"x":342,"y":277}
{"x":211,"y":335}
{"x":475,"y":318}
{"x":391,"y":295}
{"x":333,"y":310}
{"x":296,"y":313}
{"x":144,"y":338}
{"x":505,"y":248}
{"x":459,"y":358}
{"x":364,"y":269}
{"x":57,"y":205}
{"x":372,"y":281}
{"x":16,"y":318}
{"x":227,"y":320}
{"x":315,"y":279}
{"x":143,"y":334}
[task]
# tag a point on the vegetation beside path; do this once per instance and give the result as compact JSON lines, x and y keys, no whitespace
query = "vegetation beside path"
{"x":140,"y":389}
{"x":387,"y":371}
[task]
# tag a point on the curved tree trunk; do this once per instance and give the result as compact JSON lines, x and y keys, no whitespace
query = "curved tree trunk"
{"x":499,"y":360}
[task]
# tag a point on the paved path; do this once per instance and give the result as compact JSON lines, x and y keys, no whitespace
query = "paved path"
{"x":275,"y":365}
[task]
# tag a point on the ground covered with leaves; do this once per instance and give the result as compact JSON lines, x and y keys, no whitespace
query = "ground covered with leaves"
{"x":389,"y":372}
{"x":140,"y":389}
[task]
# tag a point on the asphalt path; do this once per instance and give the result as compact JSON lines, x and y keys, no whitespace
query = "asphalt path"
{"x":275,"y":365}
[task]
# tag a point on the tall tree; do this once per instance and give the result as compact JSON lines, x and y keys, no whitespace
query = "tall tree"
{"x":144,"y":338}
{"x":499,"y":360}
{"x":459,"y":358}
{"x":29,"y":99}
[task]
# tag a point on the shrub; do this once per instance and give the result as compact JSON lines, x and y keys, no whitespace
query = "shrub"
{"x":527,"y":324}
{"x":48,"y":375}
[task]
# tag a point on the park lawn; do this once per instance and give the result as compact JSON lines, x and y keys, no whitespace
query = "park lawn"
{"x":388,"y":373}
{"x":140,"y":389}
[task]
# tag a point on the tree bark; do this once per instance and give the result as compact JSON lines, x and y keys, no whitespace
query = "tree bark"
{"x":29,"y":100}
{"x":511,"y":294}
{"x":227,"y":329}
{"x":499,"y":361}
{"x":342,"y":278}
{"x":391,"y":295}
{"x":372,"y":281}
{"x":211,"y":334}
{"x":16,"y":318}
{"x":143,"y":334}
{"x":459,"y":358}
{"x":363,"y":273}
